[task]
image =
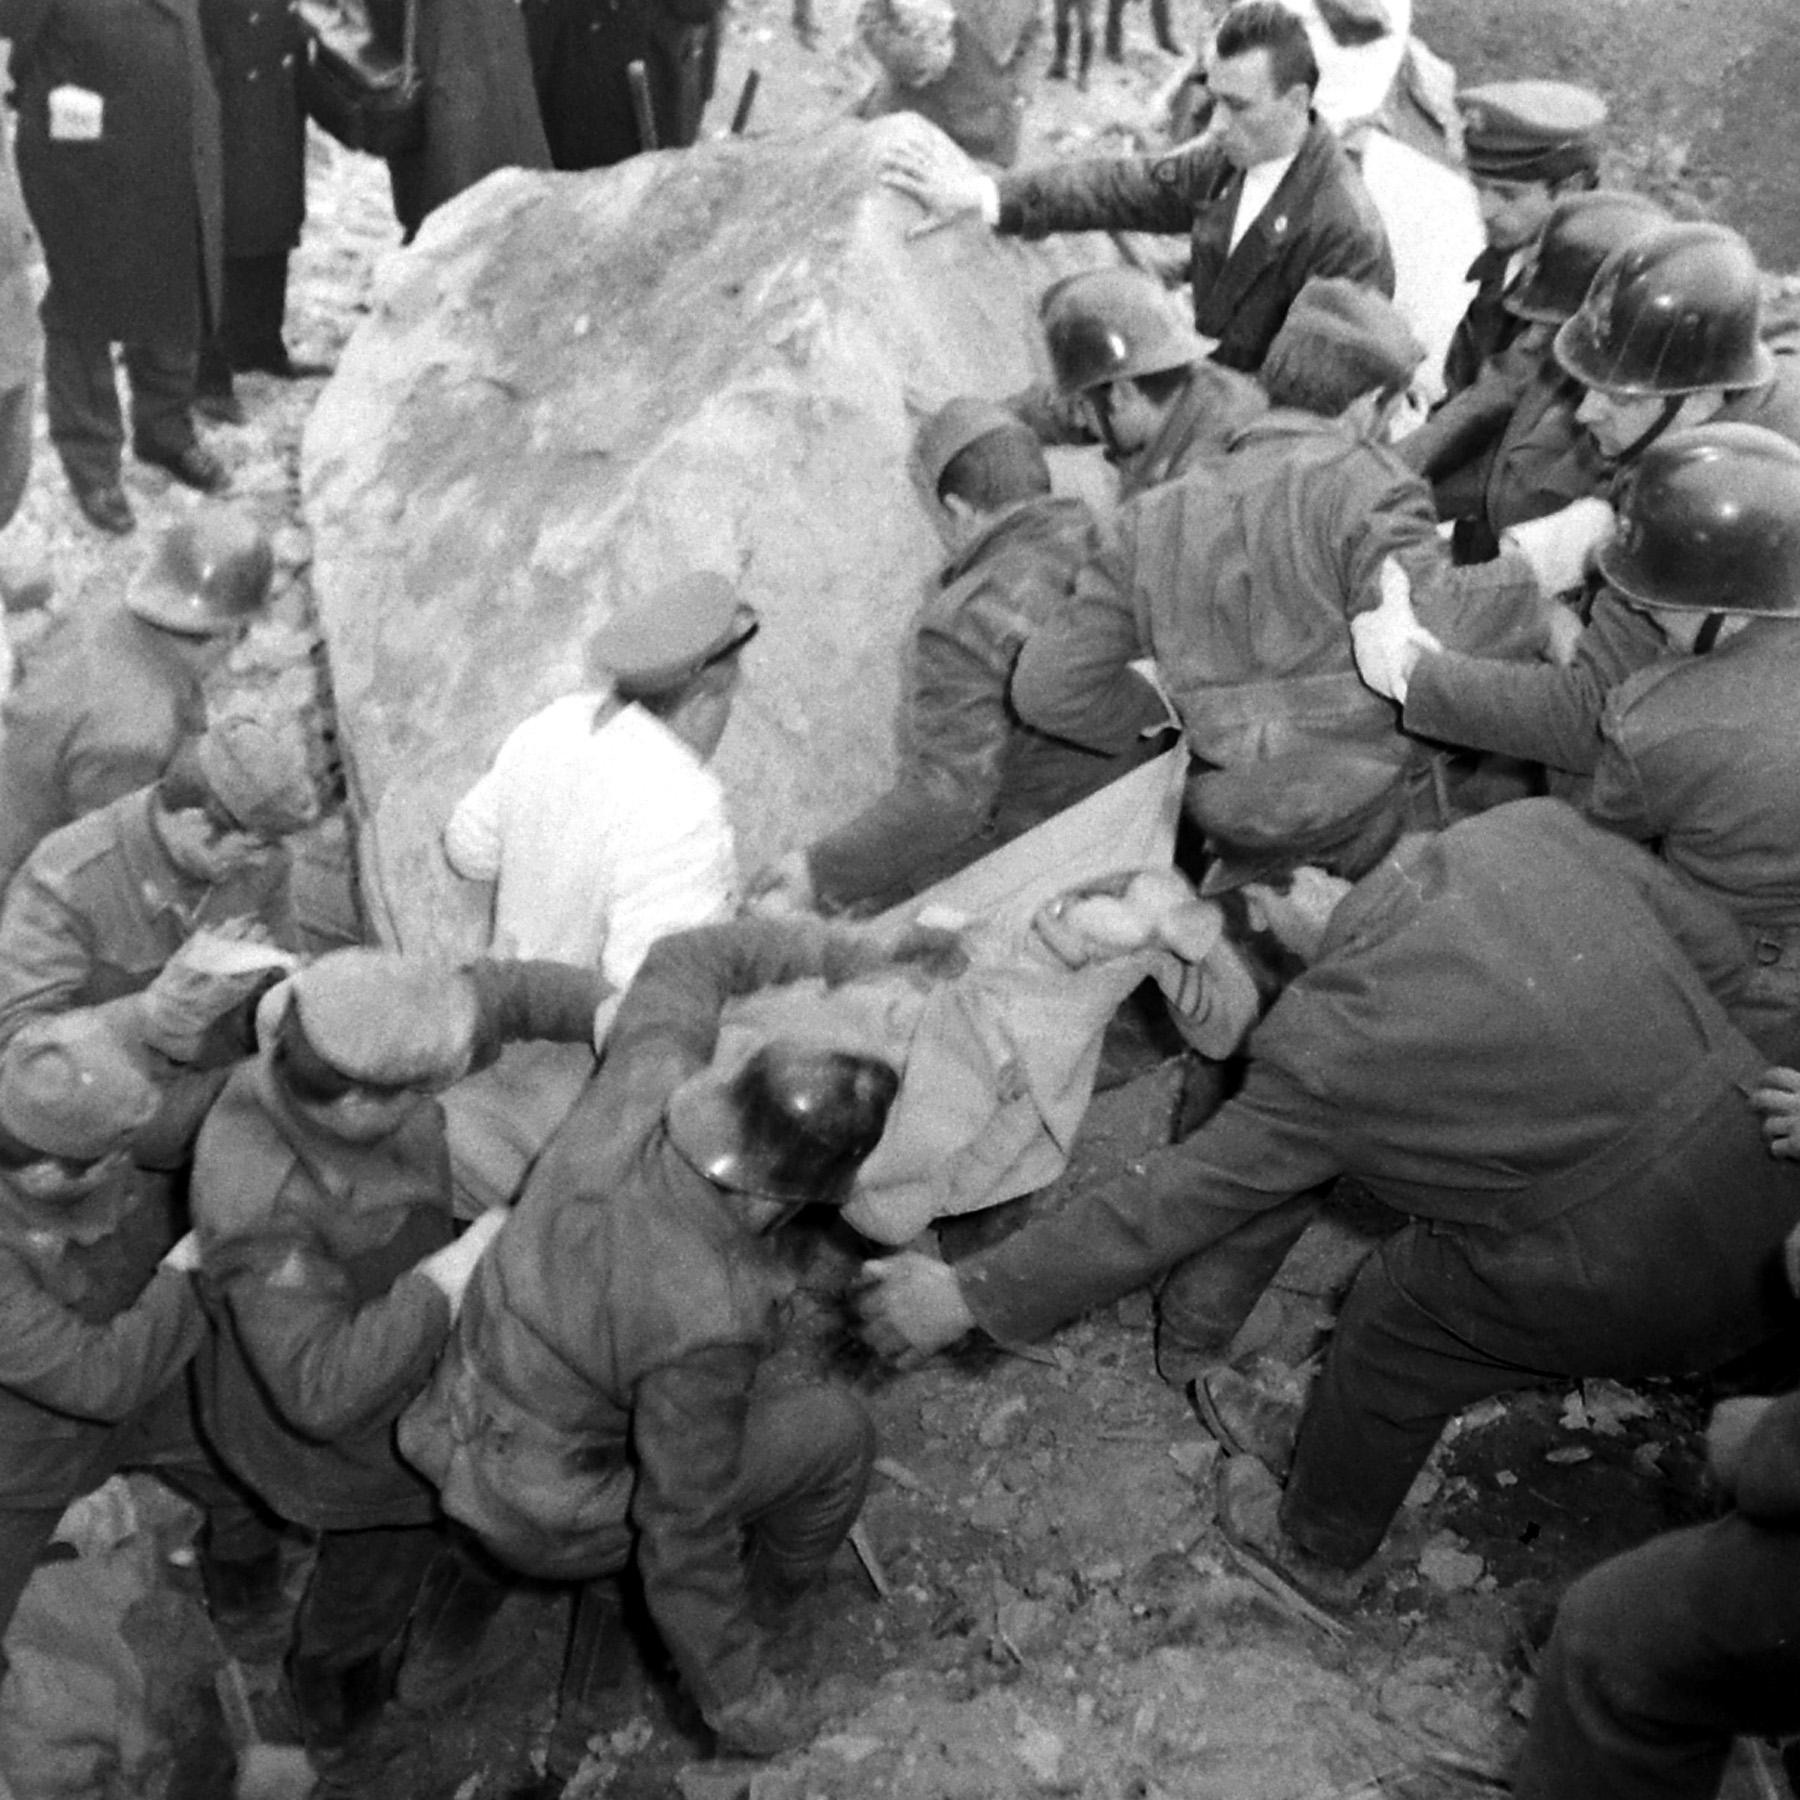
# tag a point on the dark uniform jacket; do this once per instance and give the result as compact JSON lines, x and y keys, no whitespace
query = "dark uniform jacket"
{"x":131,"y":223}
{"x":96,"y":712}
{"x":1507,"y":1030}
{"x":1549,"y":714}
{"x":481,"y":111}
{"x":591,"y":1406}
{"x":1701,"y":756}
{"x":1240,"y":579}
{"x":325,"y":1330}
{"x":1487,"y":328}
{"x":257,"y":49}
{"x":91,"y":1329}
{"x":972,"y":776}
{"x":94,"y":915}
{"x":1319,"y":221}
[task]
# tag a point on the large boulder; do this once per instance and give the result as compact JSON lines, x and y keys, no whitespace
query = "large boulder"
{"x":573,"y":387}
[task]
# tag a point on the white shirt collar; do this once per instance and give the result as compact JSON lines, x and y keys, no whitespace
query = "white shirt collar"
{"x":1260,"y":183}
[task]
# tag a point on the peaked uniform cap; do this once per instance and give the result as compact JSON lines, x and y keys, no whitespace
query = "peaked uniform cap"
{"x":1531,"y":130}
{"x":660,"y":645}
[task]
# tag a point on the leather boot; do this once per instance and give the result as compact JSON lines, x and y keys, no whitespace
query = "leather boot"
{"x":1086,"y":54}
{"x":1115,"y":30}
{"x":1165,"y":35}
{"x":1059,"y":62}
{"x":1248,"y":1419}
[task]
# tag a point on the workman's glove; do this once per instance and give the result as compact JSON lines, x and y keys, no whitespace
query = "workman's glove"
{"x":1559,"y":547}
{"x":909,"y":1306}
{"x":1390,"y":640}
{"x":1778,"y":1100}
{"x":450,"y":1269}
{"x":218,"y":970}
{"x":765,"y":1722}
{"x":926,"y":166}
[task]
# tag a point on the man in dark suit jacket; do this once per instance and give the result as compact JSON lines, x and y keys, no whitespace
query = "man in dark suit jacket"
{"x":1267,"y":197}
{"x":119,"y":158}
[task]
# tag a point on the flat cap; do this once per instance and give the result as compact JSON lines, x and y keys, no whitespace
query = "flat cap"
{"x":257,"y":765}
{"x":386,"y":1018}
{"x":1531,"y":130}
{"x":1307,"y":805}
{"x":954,"y":427}
{"x":660,"y":645}
{"x":1360,"y":336}
{"x":69,"y":1088}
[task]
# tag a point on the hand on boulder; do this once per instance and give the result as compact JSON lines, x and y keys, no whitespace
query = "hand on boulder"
{"x":783,"y":887}
{"x":909,"y":1306}
{"x":1389,"y":641}
{"x":926,"y":166}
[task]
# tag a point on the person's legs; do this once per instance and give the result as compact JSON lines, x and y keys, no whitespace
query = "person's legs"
{"x":256,"y":312}
{"x":162,"y":380}
{"x":807,"y":1456}
{"x":1659,"y":1658}
{"x":1393,"y":1377}
{"x":81,"y":401}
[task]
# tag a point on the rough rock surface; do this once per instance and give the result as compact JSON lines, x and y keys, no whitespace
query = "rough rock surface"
{"x":574,"y":387}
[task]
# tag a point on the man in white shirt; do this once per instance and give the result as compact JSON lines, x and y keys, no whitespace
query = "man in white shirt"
{"x":599,"y":822}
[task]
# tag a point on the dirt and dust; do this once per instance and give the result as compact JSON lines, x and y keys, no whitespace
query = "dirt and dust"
{"x":1060,"y":1614}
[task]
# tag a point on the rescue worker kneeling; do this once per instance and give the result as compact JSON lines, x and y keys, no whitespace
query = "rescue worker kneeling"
{"x":598,"y":1402}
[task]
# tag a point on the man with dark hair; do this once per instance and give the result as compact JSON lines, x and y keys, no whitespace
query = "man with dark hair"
{"x":108,"y":692}
{"x":1128,"y":372}
{"x":1506,"y":1032}
{"x":1267,"y":197}
{"x":971,"y":777}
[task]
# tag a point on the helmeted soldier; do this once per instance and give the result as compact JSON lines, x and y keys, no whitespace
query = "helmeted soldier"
{"x":1508,"y":448}
{"x":106,"y":695}
{"x":1701,"y":750}
{"x":599,"y":1400}
{"x":1128,"y":371}
{"x":1668,"y":336}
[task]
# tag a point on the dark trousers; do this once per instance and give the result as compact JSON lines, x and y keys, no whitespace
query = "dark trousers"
{"x":15,"y":446}
{"x":1673,"y":1270}
{"x":1659,"y":1658}
{"x":161,"y":1438}
{"x":81,"y":398}
{"x":361,"y":1592}
{"x":255,"y":314}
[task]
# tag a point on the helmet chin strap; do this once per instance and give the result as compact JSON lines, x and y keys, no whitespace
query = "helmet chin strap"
{"x":1101,"y":401}
{"x":1708,"y":634}
{"x":1671,"y":406}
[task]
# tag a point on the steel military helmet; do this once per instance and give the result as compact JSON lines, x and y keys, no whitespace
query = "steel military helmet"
{"x":210,"y":573}
{"x":1583,"y":230}
{"x":1675,"y":311}
{"x":1709,"y":522}
{"x":1110,"y":324}
{"x":793,"y":1124}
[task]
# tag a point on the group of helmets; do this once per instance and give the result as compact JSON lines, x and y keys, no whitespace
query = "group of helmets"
{"x":1646,"y":308}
